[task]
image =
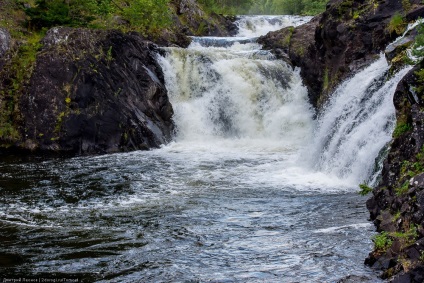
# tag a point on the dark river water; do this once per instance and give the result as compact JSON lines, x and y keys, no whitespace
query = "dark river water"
{"x":171,"y":215}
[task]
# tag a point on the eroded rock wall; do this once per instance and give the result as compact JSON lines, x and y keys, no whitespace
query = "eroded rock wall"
{"x":346,"y":37}
{"x":94,"y":91}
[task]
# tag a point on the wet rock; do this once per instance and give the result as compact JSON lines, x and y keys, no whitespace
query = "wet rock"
{"x":191,"y":20}
{"x":402,"y":278}
{"x":95,"y":91}
{"x":418,"y":182}
{"x":354,"y":279}
{"x":5,"y":41}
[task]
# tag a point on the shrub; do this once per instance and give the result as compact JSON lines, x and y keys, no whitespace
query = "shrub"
{"x":382,"y":242}
{"x":364,"y":189}
{"x":401,"y":128}
{"x":147,"y":16}
{"x":397,"y":24}
{"x":49,"y":13}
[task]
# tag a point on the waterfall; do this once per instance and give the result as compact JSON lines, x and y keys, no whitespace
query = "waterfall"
{"x":356,"y":124}
{"x":228,"y":88}
{"x":254,"y":26}
{"x":227,"y":92}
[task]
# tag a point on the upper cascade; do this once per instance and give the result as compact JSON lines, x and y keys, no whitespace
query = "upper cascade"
{"x":229,"y":88}
{"x":255,"y":26}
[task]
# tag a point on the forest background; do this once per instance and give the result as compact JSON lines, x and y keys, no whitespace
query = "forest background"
{"x":145,"y":16}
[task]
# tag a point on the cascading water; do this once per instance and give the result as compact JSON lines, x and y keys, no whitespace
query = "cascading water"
{"x":356,"y":124}
{"x":247,"y":192}
{"x":236,"y":92}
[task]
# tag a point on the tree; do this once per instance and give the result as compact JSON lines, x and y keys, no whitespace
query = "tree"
{"x":147,"y":16}
{"x":49,"y":13}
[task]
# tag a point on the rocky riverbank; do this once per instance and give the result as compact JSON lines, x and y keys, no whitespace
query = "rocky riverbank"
{"x":397,"y":204}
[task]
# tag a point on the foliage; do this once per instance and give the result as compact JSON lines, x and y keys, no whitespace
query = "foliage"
{"x":145,"y":16}
{"x":406,"y":5}
{"x":420,"y":80}
{"x":227,"y":7}
{"x":49,"y":13}
{"x":410,"y":235}
{"x":402,"y":189}
{"x":418,"y":49}
{"x":382,"y":242}
{"x":397,"y":24}
{"x":401,"y":128}
{"x":408,"y":170}
{"x":265,"y":7}
{"x":364,"y":189}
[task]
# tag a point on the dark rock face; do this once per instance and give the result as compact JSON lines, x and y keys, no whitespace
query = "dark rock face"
{"x":345,"y":38}
{"x":188,"y":19}
{"x":95,"y":91}
{"x":397,"y":204}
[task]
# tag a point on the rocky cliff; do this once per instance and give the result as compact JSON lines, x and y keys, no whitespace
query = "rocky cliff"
{"x":90,"y":91}
{"x":346,"y":37}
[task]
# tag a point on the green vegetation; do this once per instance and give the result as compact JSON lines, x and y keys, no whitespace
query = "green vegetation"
{"x":18,"y":74}
{"x":420,"y":79}
{"x":402,"y":189}
{"x":145,"y":16}
{"x":382,"y":242}
{"x":265,"y":7}
{"x":408,"y":170}
{"x":326,"y":82}
{"x":406,"y":5}
{"x":419,"y":42}
{"x":401,"y":128}
{"x":397,"y":24}
{"x":364,"y":189}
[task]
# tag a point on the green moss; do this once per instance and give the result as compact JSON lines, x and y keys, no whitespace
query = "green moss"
{"x":397,"y":24}
{"x":326,"y":82}
{"x":288,"y":37}
{"x":59,"y":122}
{"x":402,"y":189}
{"x":401,"y":128}
{"x":396,"y":216}
{"x":419,"y":88}
{"x":16,"y":74}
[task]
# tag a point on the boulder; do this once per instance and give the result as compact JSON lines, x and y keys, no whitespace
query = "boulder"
{"x":95,"y":91}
